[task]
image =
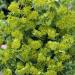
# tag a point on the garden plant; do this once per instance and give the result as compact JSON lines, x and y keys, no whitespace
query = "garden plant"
{"x":37,"y":37}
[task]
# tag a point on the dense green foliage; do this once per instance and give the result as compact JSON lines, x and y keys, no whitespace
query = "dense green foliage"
{"x":37,"y":37}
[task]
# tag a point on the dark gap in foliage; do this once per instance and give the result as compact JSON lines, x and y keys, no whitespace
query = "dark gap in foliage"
{"x":37,"y":27}
{"x":52,"y":54}
{"x":44,"y":39}
{"x":45,"y":68}
{"x":4,"y":42}
{"x":21,"y":44}
{"x":57,"y":29}
{"x":73,"y":57}
{"x":6,"y":11}
{"x":52,"y":39}
{"x":21,"y":6}
{"x":59,"y":73}
{"x":28,"y":33}
{"x":57,"y":3}
{"x":1,"y":66}
{"x":33,"y":62}
{"x":53,"y":23}
{"x":32,"y":8}
{"x":42,"y":11}
{"x":30,"y":74}
{"x":58,"y":38}
{"x":14,"y":73}
{"x":63,"y":62}
{"x":41,"y":65}
{"x":24,"y":40}
{"x":19,"y":60}
{"x":9,"y":1}
{"x":52,"y":9}
{"x":35,"y":38}
{"x":12,"y":64}
{"x":38,"y":49}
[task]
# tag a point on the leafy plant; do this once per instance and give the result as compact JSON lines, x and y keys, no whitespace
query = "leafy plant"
{"x":37,"y":38}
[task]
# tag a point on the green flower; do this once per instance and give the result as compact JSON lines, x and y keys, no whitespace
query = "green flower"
{"x":14,"y":7}
{"x":41,"y":58}
{"x":17,"y":34}
{"x":35,"y":44}
{"x":51,"y":72}
{"x":7,"y":71}
{"x":16,"y":44}
{"x":52,"y":45}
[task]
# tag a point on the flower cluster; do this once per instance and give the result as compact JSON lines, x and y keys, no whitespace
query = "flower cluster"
{"x":36,"y":37}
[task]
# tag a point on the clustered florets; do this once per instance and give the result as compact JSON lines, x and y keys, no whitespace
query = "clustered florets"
{"x":37,"y":35}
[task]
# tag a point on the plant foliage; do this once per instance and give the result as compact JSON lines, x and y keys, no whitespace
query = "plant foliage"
{"x":37,"y":37}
